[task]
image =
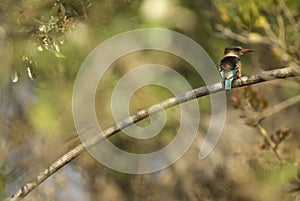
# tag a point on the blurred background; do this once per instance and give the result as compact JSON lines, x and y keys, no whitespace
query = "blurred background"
{"x":42,"y":46}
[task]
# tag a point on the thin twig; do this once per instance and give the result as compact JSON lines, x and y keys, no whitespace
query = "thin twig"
{"x":281,"y":28}
{"x":280,"y":106}
{"x":258,"y":117}
{"x":264,"y":133}
{"x":184,"y":97}
{"x":288,"y":15}
{"x":242,"y":37}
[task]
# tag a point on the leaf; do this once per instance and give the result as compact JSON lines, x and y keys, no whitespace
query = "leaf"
{"x":14,"y":76}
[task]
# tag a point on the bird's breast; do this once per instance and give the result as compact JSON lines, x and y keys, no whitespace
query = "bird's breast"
{"x":229,"y":63}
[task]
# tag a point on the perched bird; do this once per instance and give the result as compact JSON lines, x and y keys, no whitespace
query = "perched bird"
{"x":230,"y":65}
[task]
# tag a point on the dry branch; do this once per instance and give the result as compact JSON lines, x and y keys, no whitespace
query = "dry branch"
{"x":184,"y":97}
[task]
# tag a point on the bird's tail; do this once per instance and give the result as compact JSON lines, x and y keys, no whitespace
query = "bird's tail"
{"x":228,"y":83}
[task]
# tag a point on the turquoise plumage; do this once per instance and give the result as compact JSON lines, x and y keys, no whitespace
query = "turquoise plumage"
{"x":228,"y":78}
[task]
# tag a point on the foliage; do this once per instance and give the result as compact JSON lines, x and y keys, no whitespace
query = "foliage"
{"x":273,"y":23}
{"x":42,"y":46}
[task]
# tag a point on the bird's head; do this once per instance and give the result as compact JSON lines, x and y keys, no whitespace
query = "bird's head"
{"x":236,"y":51}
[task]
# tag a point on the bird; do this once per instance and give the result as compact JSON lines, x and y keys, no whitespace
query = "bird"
{"x":230,"y":64}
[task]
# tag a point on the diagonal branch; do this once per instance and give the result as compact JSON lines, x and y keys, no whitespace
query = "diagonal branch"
{"x":184,"y":97}
{"x":264,"y":133}
{"x":280,"y":106}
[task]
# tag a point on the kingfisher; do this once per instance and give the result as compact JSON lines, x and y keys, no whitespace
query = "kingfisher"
{"x":230,"y":65}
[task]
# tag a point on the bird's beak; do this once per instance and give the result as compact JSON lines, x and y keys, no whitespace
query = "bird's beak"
{"x":244,"y":51}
